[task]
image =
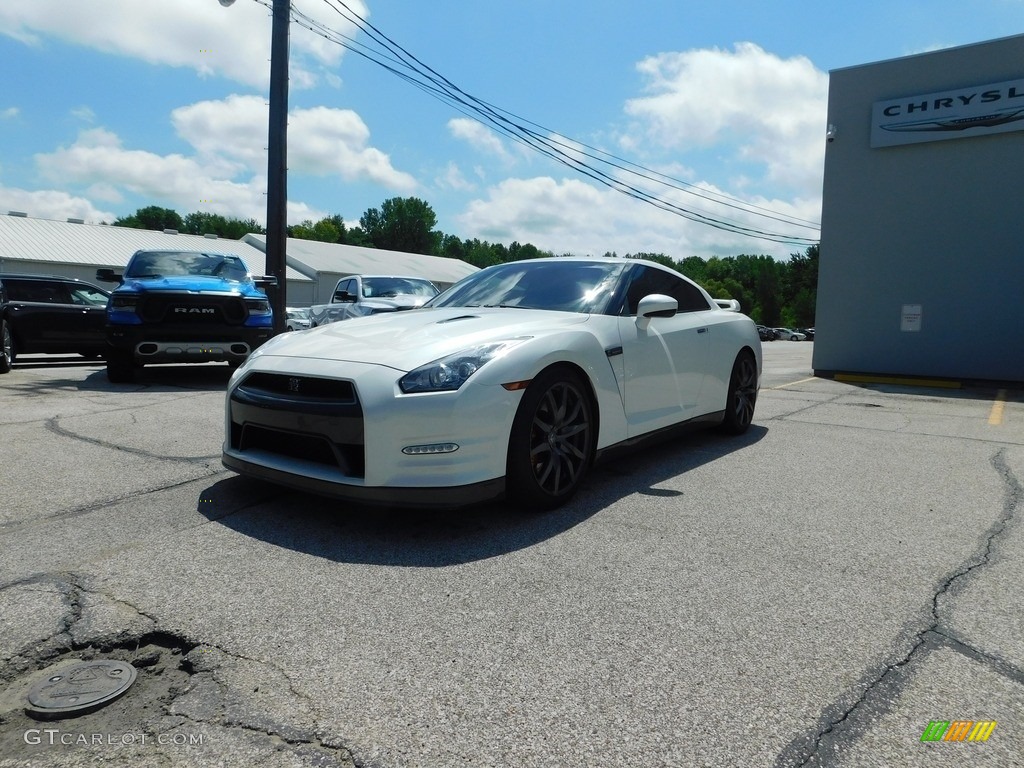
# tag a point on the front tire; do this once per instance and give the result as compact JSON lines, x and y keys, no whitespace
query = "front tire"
{"x":6,"y":347}
{"x":742,"y":396}
{"x":551,"y":446}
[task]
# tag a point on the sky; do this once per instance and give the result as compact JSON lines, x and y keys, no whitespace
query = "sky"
{"x":711,"y":116}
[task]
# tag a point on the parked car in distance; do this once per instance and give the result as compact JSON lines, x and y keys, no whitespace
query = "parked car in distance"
{"x":787,"y":334}
{"x":50,"y":314}
{"x":513,"y":381}
{"x":807,"y":332}
{"x":765,"y":333}
{"x":362,"y":295}
{"x":183,"y":307}
{"x":297,"y":319}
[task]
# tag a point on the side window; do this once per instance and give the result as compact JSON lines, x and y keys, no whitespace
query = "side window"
{"x":690,"y":298}
{"x":647,"y":280}
{"x":89,"y":297}
{"x":39,"y":291}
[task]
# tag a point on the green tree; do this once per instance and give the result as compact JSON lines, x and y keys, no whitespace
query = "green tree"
{"x":324,"y":231}
{"x":151,"y":217}
{"x":402,"y":224}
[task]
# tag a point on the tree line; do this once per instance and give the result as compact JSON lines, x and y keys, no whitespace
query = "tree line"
{"x":773,"y":293}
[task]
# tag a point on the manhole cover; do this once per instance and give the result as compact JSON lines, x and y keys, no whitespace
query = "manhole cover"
{"x":79,"y":688}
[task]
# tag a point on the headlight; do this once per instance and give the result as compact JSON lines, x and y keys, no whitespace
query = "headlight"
{"x":123,"y":303}
{"x":258,"y":306}
{"x":451,"y":372}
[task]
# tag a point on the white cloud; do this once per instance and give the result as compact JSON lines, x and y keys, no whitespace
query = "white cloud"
{"x":198,"y":34}
{"x":226,"y":174}
{"x":51,"y":204}
{"x":322,"y":141}
{"x":453,"y":178}
{"x":772,"y":109}
{"x":574,"y":216}
{"x":478,"y":136}
{"x":10,"y":113}
{"x":84,"y":113}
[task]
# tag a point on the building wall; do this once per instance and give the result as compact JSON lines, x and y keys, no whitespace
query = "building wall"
{"x":935,"y":224}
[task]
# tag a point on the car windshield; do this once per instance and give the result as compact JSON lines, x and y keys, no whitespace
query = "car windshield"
{"x":182,"y":263}
{"x":376,"y":287}
{"x":566,"y":286}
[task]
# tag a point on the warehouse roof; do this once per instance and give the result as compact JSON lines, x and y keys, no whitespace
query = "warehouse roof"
{"x":100,"y":245}
{"x":311,"y":257}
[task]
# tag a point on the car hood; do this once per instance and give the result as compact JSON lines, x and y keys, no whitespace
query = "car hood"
{"x":406,"y":340}
{"x":191,"y":284}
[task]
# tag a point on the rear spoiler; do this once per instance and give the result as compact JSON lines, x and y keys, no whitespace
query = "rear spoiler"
{"x":730,"y":304}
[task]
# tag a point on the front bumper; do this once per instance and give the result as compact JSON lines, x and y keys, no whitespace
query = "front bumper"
{"x":422,"y":498}
{"x":185,"y":343}
{"x":339,"y":429}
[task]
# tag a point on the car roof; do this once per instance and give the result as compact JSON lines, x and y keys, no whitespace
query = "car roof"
{"x":32,"y":276}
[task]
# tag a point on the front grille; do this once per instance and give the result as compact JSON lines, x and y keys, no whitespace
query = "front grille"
{"x":347,"y":458}
{"x":191,"y":308}
{"x":299,"y":417}
{"x":300,"y":387}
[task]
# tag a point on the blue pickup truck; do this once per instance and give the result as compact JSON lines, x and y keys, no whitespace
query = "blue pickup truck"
{"x":183,"y":307}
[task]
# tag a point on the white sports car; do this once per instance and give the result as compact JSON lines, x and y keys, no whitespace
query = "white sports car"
{"x":512,"y":381}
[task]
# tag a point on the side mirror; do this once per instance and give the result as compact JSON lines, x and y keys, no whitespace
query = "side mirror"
{"x":343,"y":296}
{"x":655,"y":305}
{"x":265,"y":281}
{"x":107,"y":275}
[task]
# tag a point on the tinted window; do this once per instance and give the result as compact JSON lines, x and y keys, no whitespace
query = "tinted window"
{"x":647,"y":280}
{"x":42,"y":291}
{"x":397,"y":286}
{"x":568,"y":286}
{"x":180,"y":263}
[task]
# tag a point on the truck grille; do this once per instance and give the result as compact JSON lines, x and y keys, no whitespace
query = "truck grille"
{"x":192,"y":308}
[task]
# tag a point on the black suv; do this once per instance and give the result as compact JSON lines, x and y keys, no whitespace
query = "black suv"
{"x":49,"y":313}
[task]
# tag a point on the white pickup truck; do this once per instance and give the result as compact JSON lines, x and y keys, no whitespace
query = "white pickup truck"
{"x":360,"y":295}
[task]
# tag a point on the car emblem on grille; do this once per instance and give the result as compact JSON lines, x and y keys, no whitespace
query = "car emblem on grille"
{"x":294,"y":384}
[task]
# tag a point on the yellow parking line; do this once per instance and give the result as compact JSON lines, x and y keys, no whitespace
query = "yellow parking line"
{"x":995,"y":416}
{"x":794,"y":383}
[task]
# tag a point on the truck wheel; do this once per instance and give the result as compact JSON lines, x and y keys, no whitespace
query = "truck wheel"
{"x":120,"y":368}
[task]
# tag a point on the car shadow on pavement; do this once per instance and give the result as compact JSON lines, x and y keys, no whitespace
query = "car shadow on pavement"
{"x":343,"y":532}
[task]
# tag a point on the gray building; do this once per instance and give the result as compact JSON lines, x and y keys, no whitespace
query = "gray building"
{"x":921,"y":268}
{"x":326,"y":263}
{"x":75,"y":249}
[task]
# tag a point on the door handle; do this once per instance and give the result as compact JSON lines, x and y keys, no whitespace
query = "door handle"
{"x":702,"y":330}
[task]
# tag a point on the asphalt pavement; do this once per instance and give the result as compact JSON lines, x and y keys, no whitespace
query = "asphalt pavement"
{"x":821,"y":591}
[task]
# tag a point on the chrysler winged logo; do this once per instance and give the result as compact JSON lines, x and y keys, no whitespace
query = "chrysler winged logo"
{"x":294,"y":384}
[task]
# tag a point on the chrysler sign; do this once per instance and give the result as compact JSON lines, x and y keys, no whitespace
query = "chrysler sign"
{"x":959,"y":114}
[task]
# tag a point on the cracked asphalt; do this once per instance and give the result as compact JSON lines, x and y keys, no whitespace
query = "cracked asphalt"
{"x":814,"y":593}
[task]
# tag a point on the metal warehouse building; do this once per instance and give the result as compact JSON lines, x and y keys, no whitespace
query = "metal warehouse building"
{"x":922,"y":249}
{"x":75,"y":249}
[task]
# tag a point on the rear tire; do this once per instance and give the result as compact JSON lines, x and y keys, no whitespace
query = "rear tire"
{"x":551,"y":446}
{"x":6,"y":347}
{"x":742,"y":397}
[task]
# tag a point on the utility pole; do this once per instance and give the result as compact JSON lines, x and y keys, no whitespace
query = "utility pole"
{"x":277,"y":162}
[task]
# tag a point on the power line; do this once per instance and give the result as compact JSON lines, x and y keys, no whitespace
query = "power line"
{"x":391,"y":56}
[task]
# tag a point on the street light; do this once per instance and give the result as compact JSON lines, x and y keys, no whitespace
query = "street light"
{"x":277,"y":161}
